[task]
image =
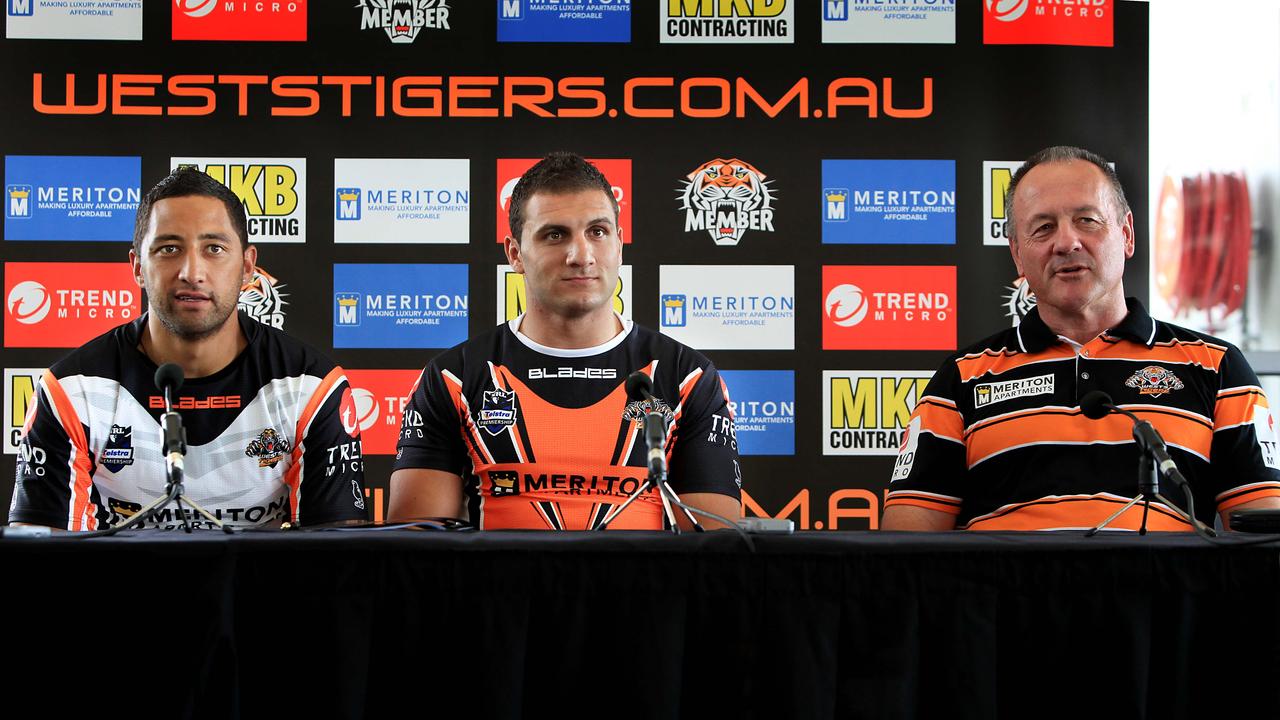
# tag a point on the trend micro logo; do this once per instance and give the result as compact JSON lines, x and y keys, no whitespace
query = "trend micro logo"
{"x":381,"y":397}
{"x":1048,"y":22}
{"x":402,"y":20}
{"x":889,"y":21}
{"x":718,"y":21}
{"x":511,"y":300}
{"x":725,"y":198}
{"x":883,"y":307}
{"x":240,"y":20}
{"x":19,"y":398}
{"x":273,"y":190}
{"x":867,"y":411}
{"x":262,"y":298}
{"x":52,"y":305}
{"x":616,"y":170}
{"x":564,"y":21}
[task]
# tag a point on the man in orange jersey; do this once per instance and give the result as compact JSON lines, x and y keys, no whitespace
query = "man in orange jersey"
{"x":270,"y":422}
{"x":529,"y":425}
{"x":998,"y":441}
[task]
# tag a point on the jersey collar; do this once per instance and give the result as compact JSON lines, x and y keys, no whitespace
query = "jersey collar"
{"x":610,"y":344}
{"x":1138,"y":326}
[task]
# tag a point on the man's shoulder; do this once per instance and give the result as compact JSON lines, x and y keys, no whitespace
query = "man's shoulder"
{"x":101,"y":356}
{"x":660,"y":347}
{"x":284,"y":354}
{"x":1167,"y":332}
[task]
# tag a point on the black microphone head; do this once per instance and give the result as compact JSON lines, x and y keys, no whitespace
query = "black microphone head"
{"x":1096,"y":404}
{"x":169,"y":377}
{"x":639,"y":386}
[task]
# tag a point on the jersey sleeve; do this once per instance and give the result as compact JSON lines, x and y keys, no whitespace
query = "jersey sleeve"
{"x":931,"y":465}
{"x":703,"y":451}
{"x":1243,"y":454}
{"x":330,"y":475}
{"x":53,"y":484}
{"x":431,"y":432}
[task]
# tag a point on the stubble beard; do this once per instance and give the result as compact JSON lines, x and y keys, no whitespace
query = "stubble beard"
{"x":193,"y":331}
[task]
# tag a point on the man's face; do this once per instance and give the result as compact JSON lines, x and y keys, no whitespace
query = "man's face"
{"x":192,"y":265}
{"x":1068,"y":241}
{"x":569,"y":252}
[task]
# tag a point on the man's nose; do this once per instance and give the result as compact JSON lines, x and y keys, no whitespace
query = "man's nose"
{"x":193,"y":268}
{"x":581,"y":252}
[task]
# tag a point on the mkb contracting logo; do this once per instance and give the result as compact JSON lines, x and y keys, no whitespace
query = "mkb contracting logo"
{"x":739,"y":22}
{"x":19,"y":398}
{"x":402,"y":20}
{"x":866,"y":411}
{"x":725,"y":199}
{"x":273,"y":190}
{"x":996,"y":176}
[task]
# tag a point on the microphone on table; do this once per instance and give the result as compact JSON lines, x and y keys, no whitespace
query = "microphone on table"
{"x":1097,"y":404}
{"x":169,"y":379}
{"x":640,"y":388}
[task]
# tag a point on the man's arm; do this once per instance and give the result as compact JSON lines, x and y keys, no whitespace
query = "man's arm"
{"x":418,"y":493}
{"x":911,"y":517}
{"x":1266,"y":503}
{"x":722,"y":505}
{"x":330,"y":490}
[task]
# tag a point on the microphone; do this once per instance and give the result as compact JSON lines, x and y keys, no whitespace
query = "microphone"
{"x":1097,"y":404}
{"x":640,"y":389}
{"x":169,"y":378}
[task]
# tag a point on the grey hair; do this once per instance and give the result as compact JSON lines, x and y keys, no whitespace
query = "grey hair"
{"x":1061,"y":154}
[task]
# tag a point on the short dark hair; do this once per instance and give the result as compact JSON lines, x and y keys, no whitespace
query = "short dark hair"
{"x":1064,"y":153}
{"x":558,"y":172}
{"x":185,"y":182}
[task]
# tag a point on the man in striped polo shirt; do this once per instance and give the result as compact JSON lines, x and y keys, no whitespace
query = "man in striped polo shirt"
{"x":999,"y":442}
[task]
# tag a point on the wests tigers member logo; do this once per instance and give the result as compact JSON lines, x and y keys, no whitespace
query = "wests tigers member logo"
{"x":262,"y":300}
{"x":268,"y":447}
{"x":726,"y":198}
{"x":1154,"y":380}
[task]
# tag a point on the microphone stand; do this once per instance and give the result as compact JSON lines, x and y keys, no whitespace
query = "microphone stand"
{"x":655,"y":433}
{"x":1149,"y":482}
{"x":174,"y":438}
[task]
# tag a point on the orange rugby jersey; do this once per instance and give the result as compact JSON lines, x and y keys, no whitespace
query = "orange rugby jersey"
{"x":547,"y":439}
{"x":998,"y":438}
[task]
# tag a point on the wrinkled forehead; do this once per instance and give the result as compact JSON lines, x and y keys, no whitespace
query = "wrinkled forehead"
{"x":1057,"y":186}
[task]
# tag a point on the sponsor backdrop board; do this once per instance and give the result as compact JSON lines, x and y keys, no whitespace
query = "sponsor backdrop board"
{"x":801,"y":185}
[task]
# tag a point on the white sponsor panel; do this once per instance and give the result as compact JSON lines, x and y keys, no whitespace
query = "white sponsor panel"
{"x":866,"y":412}
{"x":716,"y":21}
{"x":996,"y":175}
{"x":889,"y":21}
{"x":1265,"y":428}
{"x":402,"y":201}
{"x":74,"y":20}
{"x":273,"y":190}
{"x":510,"y":300}
{"x":997,"y":392}
{"x":728,"y":307}
{"x":19,"y":396}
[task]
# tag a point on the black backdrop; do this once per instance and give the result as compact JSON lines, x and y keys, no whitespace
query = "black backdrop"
{"x":989,"y":102}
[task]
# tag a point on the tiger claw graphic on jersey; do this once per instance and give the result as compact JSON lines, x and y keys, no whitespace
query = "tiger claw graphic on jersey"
{"x":1154,"y":380}
{"x":268,"y":447}
{"x":726,"y":198}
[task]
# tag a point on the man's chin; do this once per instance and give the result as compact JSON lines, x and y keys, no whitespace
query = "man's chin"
{"x":191,"y":329}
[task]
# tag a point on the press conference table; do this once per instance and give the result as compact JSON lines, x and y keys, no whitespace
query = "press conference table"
{"x":631,"y":624}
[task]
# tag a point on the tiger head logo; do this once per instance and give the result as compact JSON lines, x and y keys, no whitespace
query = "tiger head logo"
{"x":1154,"y":381}
{"x":1019,"y":301}
{"x":726,"y":198}
{"x":262,"y":300}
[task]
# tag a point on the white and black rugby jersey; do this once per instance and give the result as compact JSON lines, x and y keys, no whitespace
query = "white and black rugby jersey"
{"x":547,"y":439}
{"x":271,"y":437}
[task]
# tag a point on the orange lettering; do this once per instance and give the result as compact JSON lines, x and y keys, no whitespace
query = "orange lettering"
{"x":346,"y":81}
{"x":178,"y":88}
{"x":282,"y":87}
{"x":459,"y":91}
{"x":835,"y":100}
{"x":686,"y":101}
{"x":411,"y":87}
{"x":628,"y":97}
{"x":925,"y":110}
{"x":70,"y":108}
{"x":582,"y":88}
{"x":242,"y":82}
{"x":799,"y":90}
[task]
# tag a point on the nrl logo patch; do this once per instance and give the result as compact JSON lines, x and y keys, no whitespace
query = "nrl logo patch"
{"x":726,"y":198}
{"x":637,"y":409}
{"x":118,"y":451}
{"x":268,"y":447}
{"x":1154,"y":380}
{"x":498,"y":411}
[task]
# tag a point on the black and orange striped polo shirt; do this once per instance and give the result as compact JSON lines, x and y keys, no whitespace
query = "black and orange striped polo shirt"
{"x":998,"y":439}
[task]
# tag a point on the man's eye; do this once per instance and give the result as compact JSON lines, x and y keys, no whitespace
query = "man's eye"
{"x":217,"y":249}
{"x":167,"y":249}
